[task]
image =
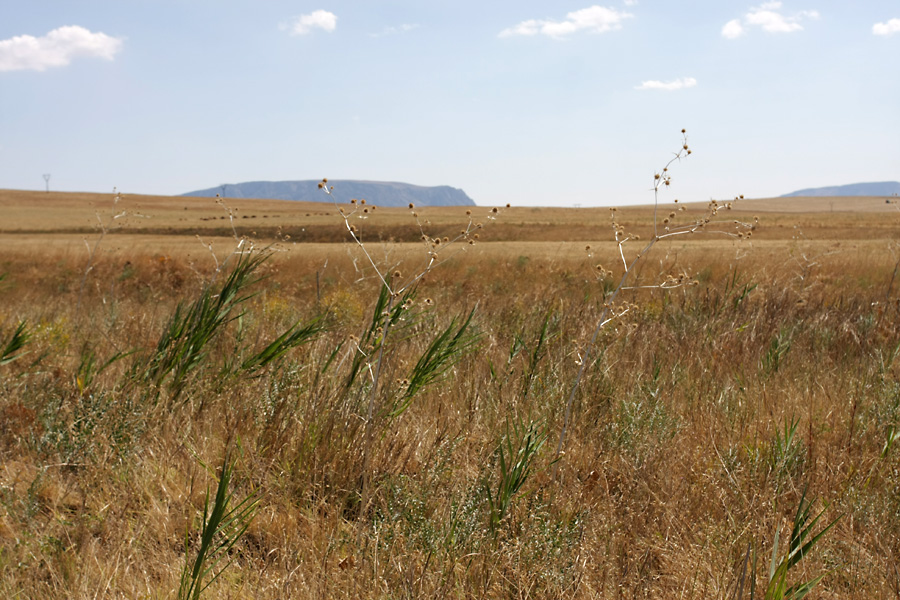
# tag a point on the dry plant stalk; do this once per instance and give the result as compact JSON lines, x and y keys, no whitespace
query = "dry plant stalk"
{"x":396,"y":285}
{"x":662,"y":230}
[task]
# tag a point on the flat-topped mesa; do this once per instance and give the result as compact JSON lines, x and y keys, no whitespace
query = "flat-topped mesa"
{"x":379,"y":193}
{"x":880,"y":188}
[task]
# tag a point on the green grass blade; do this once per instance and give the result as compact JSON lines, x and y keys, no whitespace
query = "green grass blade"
{"x":15,"y":343}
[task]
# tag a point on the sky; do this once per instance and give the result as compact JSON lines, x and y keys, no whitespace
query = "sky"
{"x":532,"y":103}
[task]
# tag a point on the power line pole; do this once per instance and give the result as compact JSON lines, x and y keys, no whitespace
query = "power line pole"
{"x":47,"y":180}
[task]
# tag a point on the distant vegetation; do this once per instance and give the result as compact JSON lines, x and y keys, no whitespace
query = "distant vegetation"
{"x":379,"y":193}
{"x":880,"y":188}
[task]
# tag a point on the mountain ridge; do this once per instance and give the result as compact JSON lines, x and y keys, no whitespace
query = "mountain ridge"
{"x":379,"y":193}
{"x":878,"y":188}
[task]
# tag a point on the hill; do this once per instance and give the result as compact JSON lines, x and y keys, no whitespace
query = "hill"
{"x":881,"y":188}
{"x":379,"y":193}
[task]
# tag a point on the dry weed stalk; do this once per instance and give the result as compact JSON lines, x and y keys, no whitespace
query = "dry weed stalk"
{"x":104,"y":227}
{"x":447,"y":347}
{"x":662,"y":230}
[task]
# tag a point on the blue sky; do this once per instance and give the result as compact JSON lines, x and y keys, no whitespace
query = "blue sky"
{"x":525,"y":102}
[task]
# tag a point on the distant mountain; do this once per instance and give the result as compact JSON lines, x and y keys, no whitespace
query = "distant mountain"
{"x":883,"y":188}
{"x":379,"y":193}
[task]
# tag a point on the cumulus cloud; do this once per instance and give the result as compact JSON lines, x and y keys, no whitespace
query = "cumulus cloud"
{"x":395,"y":30}
{"x":318,"y":19}
{"x":668,"y":86}
{"x":889,"y":28}
{"x":733,"y":29}
{"x":56,"y":49}
{"x":769,"y":18}
{"x":594,"y":19}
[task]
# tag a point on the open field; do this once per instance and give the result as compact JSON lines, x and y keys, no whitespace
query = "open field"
{"x":82,"y":213}
{"x":408,"y":448}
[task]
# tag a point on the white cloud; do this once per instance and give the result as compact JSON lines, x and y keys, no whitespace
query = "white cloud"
{"x":594,"y":19}
{"x":889,"y":28}
{"x":769,"y":18}
{"x":56,"y":49}
{"x":668,"y":86}
{"x":395,"y":30}
{"x":318,"y":19}
{"x":733,"y":29}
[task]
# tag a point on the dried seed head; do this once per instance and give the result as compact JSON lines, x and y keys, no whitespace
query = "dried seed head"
{"x":494,"y":210}
{"x":411,"y":205}
{"x":352,"y":200}
{"x":468,"y":212}
{"x":362,"y":201}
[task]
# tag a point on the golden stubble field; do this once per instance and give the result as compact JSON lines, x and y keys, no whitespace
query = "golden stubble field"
{"x":406,"y":446}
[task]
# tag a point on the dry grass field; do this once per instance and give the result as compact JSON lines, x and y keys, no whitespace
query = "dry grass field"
{"x":405,"y":446}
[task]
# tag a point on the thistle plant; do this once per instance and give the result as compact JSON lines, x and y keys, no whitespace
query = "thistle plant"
{"x":664,"y":228}
{"x":396,"y":296}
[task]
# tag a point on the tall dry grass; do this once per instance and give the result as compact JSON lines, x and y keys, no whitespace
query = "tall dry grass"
{"x":703,"y":416}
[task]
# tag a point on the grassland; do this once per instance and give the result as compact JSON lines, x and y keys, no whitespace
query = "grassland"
{"x":705,"y":413}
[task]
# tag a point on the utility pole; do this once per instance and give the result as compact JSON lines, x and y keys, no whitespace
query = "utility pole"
{"x":47,"y":180}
